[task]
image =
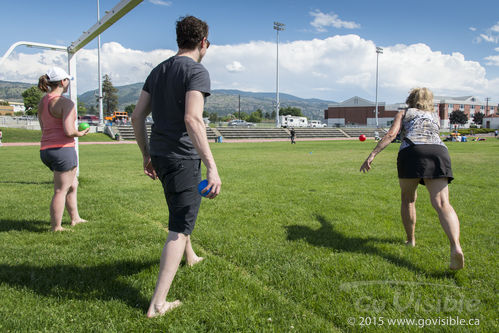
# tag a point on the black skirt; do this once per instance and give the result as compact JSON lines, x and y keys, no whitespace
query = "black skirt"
{"x":424,"y":161}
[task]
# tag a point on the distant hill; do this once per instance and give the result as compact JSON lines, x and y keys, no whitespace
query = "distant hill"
{"x":221,"y":101}
{"x":224,"y":101}
{"x":12,"y":91}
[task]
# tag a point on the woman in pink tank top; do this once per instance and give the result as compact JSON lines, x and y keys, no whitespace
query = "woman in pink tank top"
{"x":57,"y":117}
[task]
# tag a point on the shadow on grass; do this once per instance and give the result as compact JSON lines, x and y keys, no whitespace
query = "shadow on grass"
{"x":22,"y":182}
{"x":101,"y":282}
{"x":16,"y":225}
{"x":327,"y":236}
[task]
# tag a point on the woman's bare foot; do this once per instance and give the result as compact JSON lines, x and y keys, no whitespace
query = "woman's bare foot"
{"x":456,"y":260}
{"x":411,"y":243}
{"x":78,"y":221}
{"x":160,"y":309}
{"x":195,"y":261}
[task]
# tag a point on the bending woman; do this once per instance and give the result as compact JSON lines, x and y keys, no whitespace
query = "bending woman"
{"x":57,"y":117}
{"x":423,"y":159}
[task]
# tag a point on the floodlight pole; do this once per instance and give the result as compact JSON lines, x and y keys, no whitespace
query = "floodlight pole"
{"x":278,"y":27}
{"x":101,"y":108}
{"x":378,"y":51}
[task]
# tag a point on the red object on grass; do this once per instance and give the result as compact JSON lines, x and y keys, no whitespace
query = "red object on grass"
{"x":362,"y":137}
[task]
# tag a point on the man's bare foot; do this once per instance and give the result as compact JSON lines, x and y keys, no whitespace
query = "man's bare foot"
{"x":60,"y":229}
{"x":456,"y":260}
{"x":75,"y":222}
{"x":410,"y":243}
{"x":195,"y":261}
{"x":160,"y":309}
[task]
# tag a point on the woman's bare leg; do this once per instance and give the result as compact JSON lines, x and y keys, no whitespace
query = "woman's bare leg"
{"x":62,"y":183}
{"x":408,"y":195}
{"x":439,"y":194}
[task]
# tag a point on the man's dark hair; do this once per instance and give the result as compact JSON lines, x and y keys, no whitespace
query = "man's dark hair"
{"x":190,"y":31}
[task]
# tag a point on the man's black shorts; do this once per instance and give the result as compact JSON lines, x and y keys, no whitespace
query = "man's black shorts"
{"x":180,"y":179}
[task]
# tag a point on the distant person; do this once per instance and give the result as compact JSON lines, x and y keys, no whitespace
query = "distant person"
{"x":496,"y":132}
{"x":293,"y":135}
{"x":376,"y":136}
{"x":57,"y":117}
{"x":175,"y":91}
{"x":1,"y":136}
{"x":423,"y":159}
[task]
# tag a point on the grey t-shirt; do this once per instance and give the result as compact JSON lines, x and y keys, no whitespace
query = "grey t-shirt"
{"x":167,"y":84}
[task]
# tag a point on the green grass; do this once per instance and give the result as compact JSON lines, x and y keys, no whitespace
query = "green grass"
{"x":11,"y":135}
{"x":294,"y":240}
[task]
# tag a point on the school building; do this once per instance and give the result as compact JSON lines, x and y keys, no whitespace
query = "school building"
{"x":357,"y":111}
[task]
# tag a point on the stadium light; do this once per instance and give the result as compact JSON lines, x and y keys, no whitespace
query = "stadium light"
{"x":278,"y":27}
{"x":378,"y":51}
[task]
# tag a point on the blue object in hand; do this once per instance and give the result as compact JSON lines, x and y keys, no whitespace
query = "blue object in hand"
{"x":202,"y":186}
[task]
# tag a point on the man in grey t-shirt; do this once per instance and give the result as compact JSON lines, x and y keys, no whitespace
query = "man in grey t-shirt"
{"x":174,"y":92}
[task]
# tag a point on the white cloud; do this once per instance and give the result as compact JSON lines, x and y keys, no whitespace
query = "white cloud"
{"x":489,"y":38}
{"x":322,"y":20}
{"x":161,"y":2}
{"x":235,"y":66}
{"x":334,"y":68}
{"x":472,"y":28}
{"x":492,"y":60}
{"x":495,"y":28}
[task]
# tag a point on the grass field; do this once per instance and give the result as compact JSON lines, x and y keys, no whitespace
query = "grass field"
{"x":298,"y":241}
{"x":11,"y":135}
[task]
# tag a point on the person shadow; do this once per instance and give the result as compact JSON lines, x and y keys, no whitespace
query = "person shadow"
{"x":327,"y":236}
{"x":22,"y":225}
{"x":103,"y":282}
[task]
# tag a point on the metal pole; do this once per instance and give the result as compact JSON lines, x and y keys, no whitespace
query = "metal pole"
{"x":378,"y":51}
{"x":278,"y":27}
{"x":101,"y":112}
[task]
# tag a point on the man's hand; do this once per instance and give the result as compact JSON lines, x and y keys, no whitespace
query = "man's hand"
{"x":148,"y":168}
{"x":214,"y":183}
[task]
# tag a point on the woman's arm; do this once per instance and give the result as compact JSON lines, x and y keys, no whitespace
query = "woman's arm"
{"x":387,"y":139}
{"x":40,"y":109}
{"x":69,"y":119}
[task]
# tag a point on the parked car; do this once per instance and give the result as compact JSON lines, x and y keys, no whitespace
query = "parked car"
{"x":240,"y":123}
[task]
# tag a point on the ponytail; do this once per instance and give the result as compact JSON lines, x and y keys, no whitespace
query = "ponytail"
{"x":44,"y":84}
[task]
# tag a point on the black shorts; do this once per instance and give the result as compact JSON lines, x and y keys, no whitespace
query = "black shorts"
{"x":59,"y":159}
{"x":180,"y":179}
{"x":424,"y":161}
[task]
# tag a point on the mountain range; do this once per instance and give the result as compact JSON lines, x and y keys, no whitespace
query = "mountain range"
{"x":221,"y":101}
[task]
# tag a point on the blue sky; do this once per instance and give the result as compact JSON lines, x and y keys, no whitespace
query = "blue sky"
{"x":326,"y":51}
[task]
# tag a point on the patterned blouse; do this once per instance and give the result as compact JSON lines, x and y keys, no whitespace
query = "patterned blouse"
{"x":421,"y":128}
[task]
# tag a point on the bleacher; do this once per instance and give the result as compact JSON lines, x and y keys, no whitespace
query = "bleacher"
{"x":369,"y":132}
{"x":253,"y":133}
{"x":126,"y":132}
{"x":319,"y":133}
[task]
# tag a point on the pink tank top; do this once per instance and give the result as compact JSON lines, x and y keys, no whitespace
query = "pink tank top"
{"x":53,"y":131}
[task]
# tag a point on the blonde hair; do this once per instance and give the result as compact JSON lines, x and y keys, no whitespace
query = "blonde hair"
{"x":420,"y":98}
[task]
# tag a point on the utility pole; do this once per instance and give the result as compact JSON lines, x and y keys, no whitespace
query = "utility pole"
{"x":278,"y":27}
{"x":239,"y":106}
{"x":378,"y":51}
